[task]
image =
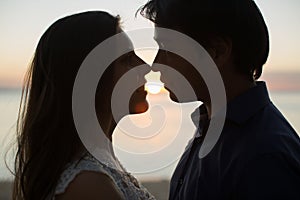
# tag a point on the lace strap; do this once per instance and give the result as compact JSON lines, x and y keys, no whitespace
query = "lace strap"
{"x":73,"y":170}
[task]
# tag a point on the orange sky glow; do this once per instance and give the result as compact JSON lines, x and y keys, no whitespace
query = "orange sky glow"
{"x":21,"y":30}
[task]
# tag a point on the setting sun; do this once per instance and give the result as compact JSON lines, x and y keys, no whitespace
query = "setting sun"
{"x":153,"y":87}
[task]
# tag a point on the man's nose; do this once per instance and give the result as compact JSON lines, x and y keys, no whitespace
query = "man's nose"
{"x":159,"y":60}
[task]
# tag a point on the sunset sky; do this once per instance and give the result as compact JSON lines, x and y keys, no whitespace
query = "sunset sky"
{"x":23,"y":22}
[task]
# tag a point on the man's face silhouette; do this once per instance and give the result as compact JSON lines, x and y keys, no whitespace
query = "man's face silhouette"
{"x":181,"y":65}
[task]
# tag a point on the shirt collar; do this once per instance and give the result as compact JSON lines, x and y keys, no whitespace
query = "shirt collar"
{"x":240,"y":109}
{"x":199,"y":118}
{"x":243,"y":107}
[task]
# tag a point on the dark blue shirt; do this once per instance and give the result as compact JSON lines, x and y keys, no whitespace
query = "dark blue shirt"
{"x":256,"y":157}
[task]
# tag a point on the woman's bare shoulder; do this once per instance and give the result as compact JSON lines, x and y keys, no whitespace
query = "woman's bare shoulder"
{"x":91,"y":185}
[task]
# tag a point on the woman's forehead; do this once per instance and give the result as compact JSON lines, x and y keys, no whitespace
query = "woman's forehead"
{"x":125,"y":38}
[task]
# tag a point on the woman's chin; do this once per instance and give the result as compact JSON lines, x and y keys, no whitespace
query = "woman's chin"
{"x":139,"y":107}
{"x":138,"y":103}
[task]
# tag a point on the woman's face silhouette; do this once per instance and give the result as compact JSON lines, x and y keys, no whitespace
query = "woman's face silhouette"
{"x":130,"y":61}
{"x":125,"y":63}
{"x":112,"y":75}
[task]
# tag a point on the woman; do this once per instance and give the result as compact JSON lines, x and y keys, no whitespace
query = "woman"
{"x":51,"y":161}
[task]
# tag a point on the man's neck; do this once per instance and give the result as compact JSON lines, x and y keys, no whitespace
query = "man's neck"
{"x":233,"y":90}
{"x":237,"y":89}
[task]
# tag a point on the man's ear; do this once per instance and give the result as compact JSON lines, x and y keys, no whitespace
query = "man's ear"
{"x":220,"y":50}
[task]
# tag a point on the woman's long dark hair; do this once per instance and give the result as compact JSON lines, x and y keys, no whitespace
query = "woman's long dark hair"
{"x":46,"y":136}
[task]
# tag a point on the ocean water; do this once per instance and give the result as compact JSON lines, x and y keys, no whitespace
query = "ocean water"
{"x":9,"y":105}
{"x":287,"y":102}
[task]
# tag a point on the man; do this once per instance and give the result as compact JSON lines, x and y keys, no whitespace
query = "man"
{"x":257,"y":155}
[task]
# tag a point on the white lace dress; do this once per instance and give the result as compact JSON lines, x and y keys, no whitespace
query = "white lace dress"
{"x":125,"y":182}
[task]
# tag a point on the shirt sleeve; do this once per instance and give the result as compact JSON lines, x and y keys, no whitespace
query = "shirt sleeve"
{"x":271,"y":176}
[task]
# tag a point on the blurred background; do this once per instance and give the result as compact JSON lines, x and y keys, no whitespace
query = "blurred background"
{"x":23,"y":22}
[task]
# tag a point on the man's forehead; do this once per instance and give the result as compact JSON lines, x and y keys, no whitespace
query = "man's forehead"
{"x":160,"y":35}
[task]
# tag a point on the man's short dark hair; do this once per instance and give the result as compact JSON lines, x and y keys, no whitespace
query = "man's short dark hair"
{"x":239,"y":20}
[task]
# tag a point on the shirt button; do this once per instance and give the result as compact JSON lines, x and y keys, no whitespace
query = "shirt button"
{"x":180,"y":181}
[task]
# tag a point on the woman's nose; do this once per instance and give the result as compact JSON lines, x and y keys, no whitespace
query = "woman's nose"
{"x":144,"y":68}
{"x":138,"y":61}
